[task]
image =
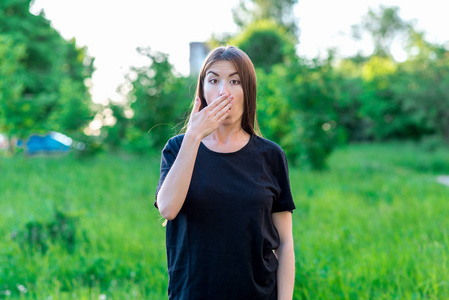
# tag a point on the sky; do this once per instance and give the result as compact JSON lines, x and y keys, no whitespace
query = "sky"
{"x":113,"y":29}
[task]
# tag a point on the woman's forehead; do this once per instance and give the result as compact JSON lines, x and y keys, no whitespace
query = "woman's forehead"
{"x":222,"y":67}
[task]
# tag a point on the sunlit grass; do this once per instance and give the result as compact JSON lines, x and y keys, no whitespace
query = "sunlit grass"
{"x":120,"y":244}
{"x":373,"y":226}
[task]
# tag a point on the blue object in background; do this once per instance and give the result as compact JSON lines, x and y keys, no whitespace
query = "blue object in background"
{"x":52,"y":143}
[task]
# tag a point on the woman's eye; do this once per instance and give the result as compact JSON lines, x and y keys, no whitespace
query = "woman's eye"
{"x":213,"y":81}
{"x":235,"y":81}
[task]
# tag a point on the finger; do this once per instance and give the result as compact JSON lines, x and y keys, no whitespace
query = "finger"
{"x":196,"y":105}
{"x":223,"y":111}
{"x":225,"y":114}
{"x":222,"y":104}
{"x":217,"y":101}
{"x":195,"y":109}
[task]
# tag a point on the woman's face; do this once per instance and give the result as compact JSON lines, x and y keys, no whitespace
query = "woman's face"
{"x":222,"y":78}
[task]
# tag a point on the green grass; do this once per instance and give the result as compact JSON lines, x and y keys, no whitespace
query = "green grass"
{"x":372,"y":226}
{"x":119,"y":250}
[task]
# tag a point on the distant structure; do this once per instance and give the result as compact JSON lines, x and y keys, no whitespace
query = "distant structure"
{"x":198,"y":52}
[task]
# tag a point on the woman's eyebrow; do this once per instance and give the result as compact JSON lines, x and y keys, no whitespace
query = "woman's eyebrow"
{"x":230,"y":75}
{"x":212,"y":73}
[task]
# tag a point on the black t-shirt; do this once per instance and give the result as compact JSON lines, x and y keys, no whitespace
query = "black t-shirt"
{"x":220,"y":245}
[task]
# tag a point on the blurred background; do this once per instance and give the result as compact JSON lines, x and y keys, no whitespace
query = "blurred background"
{"x":355,"y":92}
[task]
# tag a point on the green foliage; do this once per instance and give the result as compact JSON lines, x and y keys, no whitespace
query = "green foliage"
{"x":398,"y":100}
{"x":119,"y":243}
{"x":383,"y":26}
{"x":72,"y":110}
{"x":281,"y":11}
{"x":422,"y":86}
{"x":296,"y":109}
{"x":313,"y":93}
{"x":43,"y":84}
{"x":11,"y":86}
{"x":295,"y":105}
{"x":378,"y":108}
{"x":387,"y":100}
{"x":348,"y":94}
{"x":372,"y":226}
{"x":266,"y":43}
{"x":37,"y":235}
{"x":116,"y":133}
{"x":308,"y":107}
{"x":158,"y":99}
{"x":371,"y":233}
{"x":277,"y":119}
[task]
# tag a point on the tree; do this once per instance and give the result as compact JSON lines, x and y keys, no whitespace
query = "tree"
{"x":296,"y":109}
{"x":281,"y":11}
{"x":11,"y":86}
{"x":349,"y":90}
{"x":266,"y":44}
{"x":368,"y":104}
{"x":51,"y":94}
{"x":378,"y":108}
{"x":159,"y":100}
{"x":313,"y":94}
{"x":383,"y":26}
{"x":294,"y":105}
{"x":422,"y":86}
{"x":402,"y":100}
{"x":277,"y":119}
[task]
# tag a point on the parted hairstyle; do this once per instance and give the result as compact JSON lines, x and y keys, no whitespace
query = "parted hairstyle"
{"x":247,"y":74}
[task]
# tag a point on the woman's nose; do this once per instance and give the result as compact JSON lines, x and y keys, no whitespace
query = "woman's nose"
{"x":224,"y":89}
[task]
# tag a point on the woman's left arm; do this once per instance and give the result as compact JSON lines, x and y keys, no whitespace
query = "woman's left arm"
{"x":285,"y":254}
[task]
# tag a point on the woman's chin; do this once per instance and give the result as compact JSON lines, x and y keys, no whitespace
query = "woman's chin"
{"x":226,"y":122}
{"x":231,"y":120}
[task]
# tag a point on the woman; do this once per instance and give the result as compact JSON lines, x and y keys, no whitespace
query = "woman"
{"x":226,"y":194}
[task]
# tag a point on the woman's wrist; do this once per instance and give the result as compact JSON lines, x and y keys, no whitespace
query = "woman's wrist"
{"x":192,"y":137}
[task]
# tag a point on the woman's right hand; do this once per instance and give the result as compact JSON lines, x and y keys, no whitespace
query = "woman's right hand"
{"x":204,"y":122}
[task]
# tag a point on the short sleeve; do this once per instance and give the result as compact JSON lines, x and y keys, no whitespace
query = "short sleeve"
{"x":284,"y":199}
{"x":168,"y":157}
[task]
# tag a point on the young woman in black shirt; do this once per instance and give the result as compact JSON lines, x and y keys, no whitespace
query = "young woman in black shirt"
{"x":225,"y":192}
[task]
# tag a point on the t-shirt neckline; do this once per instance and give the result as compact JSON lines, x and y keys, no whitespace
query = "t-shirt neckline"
{"x":228,"y":153}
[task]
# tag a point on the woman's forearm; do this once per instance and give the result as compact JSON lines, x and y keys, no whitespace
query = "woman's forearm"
{"x":173,"y":191}
{"x":286,"y":271}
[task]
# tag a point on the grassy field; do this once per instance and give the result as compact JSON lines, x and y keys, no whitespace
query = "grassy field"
{"x":372,"y":226}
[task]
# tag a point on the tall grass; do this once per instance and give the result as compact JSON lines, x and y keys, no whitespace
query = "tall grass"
{"x":373,"y":226}
{"x":119,"y":248}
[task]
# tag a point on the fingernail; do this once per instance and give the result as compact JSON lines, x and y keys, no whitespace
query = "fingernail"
{"x":231,"y":97}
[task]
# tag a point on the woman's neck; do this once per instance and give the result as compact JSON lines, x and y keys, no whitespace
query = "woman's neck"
{"x":225,"y":134}
{"x":225,"y":139}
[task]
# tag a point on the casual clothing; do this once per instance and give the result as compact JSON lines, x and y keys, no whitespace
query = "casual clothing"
{"x":220,"y":245}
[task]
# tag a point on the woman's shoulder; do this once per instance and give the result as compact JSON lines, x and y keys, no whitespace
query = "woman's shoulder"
{"x":175,"y":142}
{"x":267,"y":145}
{"x":270,"y":152}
